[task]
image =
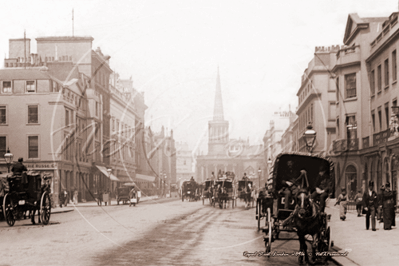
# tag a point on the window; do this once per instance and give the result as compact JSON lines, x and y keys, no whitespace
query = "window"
{"x":113,"y":125}
{"x":337,"y":92}
{"x":372,"y":83}
{"x":351,"y":127}
{"x":338,"y":127}
{"x":33,"y":142}
{"x":67,"y":117}
{"x":373,"y":120}
{"x":311,"y":113}
{"x":386,"y":69}
{"x":96,"y":108}
{"x":331,"y":111}
{"x":387,"y":114}
{"x":33,"y":117}
{"x":7,"y":87}
{"x":3,"y":143}
{"x":30,"y":86}
{"x":394,"y":66}
{"x":3,"y":115}
{"x":379,"y":78}
{"x":350,"y":85}
{"x":380,"y":118}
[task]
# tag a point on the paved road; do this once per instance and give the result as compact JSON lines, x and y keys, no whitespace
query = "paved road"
{"x":168,"y":233}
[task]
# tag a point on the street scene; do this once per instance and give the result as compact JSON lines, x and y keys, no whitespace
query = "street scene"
{"x":153,"y":132}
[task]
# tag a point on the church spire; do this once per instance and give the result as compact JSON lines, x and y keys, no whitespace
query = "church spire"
{"x":218,"y":109}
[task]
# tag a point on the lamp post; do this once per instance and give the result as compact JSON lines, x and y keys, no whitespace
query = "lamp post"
{"x":269,"y":164}
{"x":8,"y":157}
{"x":310,"y":137}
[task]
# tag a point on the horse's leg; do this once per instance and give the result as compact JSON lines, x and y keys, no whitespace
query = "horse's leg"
{"x":32,"y":216}
{"x":303,"y":248}
{"x":315,"y":244}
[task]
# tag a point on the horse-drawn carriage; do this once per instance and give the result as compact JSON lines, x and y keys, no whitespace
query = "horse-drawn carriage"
{"x":224,"y":193}
{"x":245,"y":192}
{"x":189,"y":191}
{"x":303,"y":215}
{"x":25,"y":194}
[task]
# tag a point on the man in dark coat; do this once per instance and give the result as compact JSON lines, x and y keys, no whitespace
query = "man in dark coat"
{"x":388,"y":206}
{"x":323,"y":187}
{"x":370,"y":205}
{"x":290,"y":182}
{"x":19,"y":167}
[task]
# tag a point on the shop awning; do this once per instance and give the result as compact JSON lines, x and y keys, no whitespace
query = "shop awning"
{"x":105,"y":172}
{"x":145,"y":178}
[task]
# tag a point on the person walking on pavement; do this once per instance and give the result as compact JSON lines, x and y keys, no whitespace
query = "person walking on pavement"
{"x":359,"y":202}
{"x":380,"y":195}
{"x":342,"y":200}
{"x":370,"y":205}
{"x":388,"y":204}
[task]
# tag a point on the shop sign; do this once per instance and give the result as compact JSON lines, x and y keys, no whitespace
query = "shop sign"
{"x":41,"y":165}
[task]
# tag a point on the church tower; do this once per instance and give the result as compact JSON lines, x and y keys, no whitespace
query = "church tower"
{"x":218,"y":128}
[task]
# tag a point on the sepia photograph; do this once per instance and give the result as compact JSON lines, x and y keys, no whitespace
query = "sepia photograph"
{"x":212,"y":132}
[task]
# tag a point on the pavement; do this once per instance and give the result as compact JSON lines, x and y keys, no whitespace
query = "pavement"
{"x":70,"y":207}
{"x":362,"y":247}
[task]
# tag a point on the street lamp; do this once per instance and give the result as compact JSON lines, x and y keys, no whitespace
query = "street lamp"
{"x":8,"y":157}
{"x":310,"y":137}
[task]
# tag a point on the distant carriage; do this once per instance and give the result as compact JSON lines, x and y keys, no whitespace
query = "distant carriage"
{"x":189,"y":191}
{"x":224,"y":193}
{"x":25,"y":194}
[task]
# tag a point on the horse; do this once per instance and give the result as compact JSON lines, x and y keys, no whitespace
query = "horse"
{"x":307,"y":220}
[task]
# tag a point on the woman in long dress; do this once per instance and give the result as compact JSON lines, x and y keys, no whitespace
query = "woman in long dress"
{"x":388,"y":205}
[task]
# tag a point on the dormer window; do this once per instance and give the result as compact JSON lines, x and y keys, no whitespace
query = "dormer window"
{"x":30,"y":86}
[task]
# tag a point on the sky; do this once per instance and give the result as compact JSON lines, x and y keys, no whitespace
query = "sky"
{"x":172,"y":50}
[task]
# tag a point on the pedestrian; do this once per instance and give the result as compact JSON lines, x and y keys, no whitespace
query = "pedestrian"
{"x":380,"y":196}
{"x":359,"y":202}
{"x":342,"y":200}
{"x":75,"y":197}
{"x":370,"y":205}
{"x":388,"y":204}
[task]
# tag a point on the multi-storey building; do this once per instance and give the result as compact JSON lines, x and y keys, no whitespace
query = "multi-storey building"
{"x":316,"y":95}
{"x":67,"y":81}
{"x":122,"y":142}
{"x":273,"y":138}
{"x":361,"y":112}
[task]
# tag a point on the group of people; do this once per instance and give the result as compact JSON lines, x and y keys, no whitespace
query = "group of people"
{"x":381,"y":205}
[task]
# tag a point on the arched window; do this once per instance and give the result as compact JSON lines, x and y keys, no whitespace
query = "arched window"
{"x":351,"y":179}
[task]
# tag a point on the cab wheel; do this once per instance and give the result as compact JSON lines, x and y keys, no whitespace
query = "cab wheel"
{"x":8,"y":210}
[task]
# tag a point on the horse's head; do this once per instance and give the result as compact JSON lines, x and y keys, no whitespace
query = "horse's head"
{"x":303,"y":204}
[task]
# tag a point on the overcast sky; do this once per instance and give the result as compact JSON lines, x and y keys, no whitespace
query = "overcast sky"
{"x":172,"y":50}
